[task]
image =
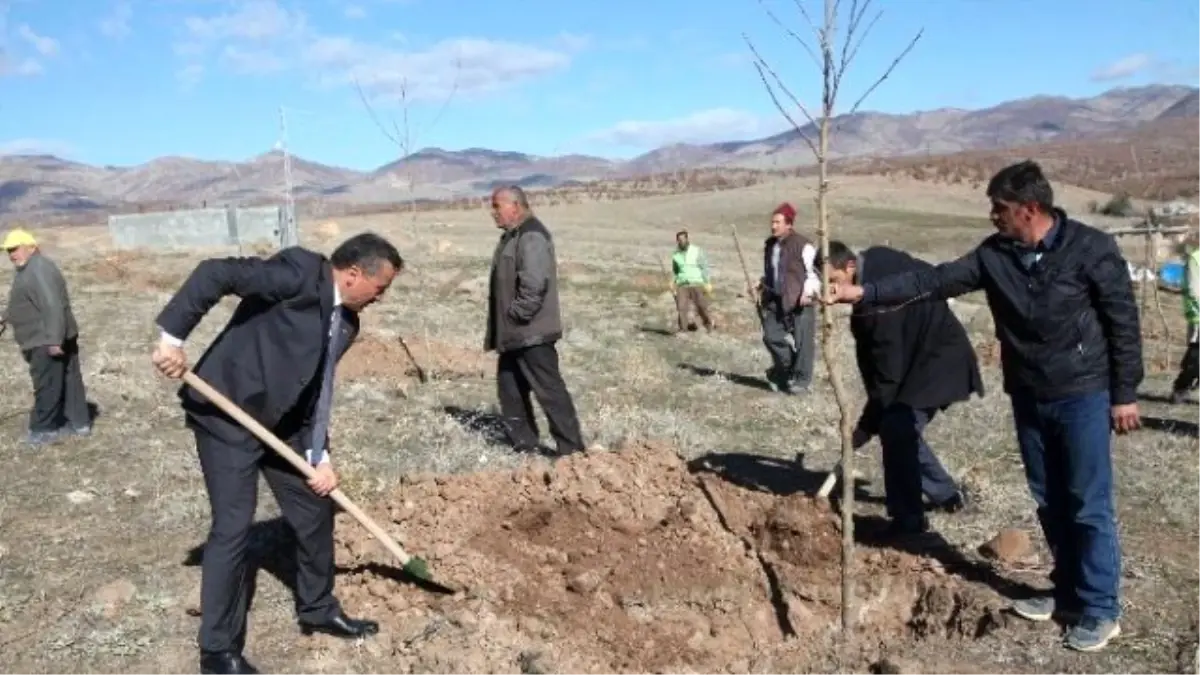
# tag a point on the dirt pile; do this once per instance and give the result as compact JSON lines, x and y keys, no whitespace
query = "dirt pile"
{"x":625,"y":561}
{"x":374,"y":356}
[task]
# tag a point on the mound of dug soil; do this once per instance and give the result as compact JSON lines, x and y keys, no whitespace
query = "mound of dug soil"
{"x":373,"y":356}
{"x":625,"y":561}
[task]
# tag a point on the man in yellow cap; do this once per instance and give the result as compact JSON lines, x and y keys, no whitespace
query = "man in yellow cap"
{"x":39,"y":314}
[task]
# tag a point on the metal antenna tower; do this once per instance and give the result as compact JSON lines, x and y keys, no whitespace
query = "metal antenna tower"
{"x":289,"y":236}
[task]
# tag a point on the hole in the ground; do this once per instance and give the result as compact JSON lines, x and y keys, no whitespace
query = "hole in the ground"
{"x":625,"y":561}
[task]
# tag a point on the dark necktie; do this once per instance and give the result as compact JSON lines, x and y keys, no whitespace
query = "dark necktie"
{"x":325,"y":399}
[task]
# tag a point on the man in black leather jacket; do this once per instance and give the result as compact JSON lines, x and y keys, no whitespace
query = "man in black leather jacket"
{"x":1071,"y":352}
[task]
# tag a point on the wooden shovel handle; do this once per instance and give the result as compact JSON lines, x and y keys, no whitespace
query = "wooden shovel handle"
{"x":272,"y":441}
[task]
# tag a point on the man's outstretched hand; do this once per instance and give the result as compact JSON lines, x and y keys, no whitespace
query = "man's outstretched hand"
{"x":843,"y":294}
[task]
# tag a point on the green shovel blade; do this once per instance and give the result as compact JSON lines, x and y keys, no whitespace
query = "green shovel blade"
{"x":418,"y":568}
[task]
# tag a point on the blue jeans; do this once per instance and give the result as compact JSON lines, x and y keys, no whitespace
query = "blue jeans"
{"x":1066,"y":446}
{"x":909,"y":465}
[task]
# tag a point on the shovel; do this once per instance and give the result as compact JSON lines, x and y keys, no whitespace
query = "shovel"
{"x":831,"y":479}
{"x":410,"y":565}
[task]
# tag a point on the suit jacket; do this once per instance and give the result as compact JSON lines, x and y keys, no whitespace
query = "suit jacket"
{"x":269,"y":357}
{"x":918,"y":355}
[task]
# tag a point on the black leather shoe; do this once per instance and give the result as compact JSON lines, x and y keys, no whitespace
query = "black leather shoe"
{"x":224,"y":662}
{"x":341,"y":626}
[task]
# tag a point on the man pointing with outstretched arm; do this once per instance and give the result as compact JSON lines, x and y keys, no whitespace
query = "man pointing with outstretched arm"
{"x":1071,"y":351}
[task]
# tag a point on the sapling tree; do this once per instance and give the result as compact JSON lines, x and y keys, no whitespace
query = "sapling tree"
{"x":833,"y":51}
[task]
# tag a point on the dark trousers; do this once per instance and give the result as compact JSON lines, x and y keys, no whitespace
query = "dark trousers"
{"x":1189,"y":369}
{"x":791,"y":361}
{"x":687,"y":297}
{"x":226,"y":582}
{"x":1066,"y":446}
{"x":910,"y":467}
{"x":59,"y":397}
{"x":534,"y":370}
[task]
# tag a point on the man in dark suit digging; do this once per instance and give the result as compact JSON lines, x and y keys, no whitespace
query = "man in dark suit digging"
{"x":275,"y":359}
{"x":915,"y":361}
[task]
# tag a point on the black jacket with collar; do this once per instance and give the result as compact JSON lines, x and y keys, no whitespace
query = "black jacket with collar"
{"x":1067,"y":326}
{"x":269,"y":357}
{"x":918,"y":354}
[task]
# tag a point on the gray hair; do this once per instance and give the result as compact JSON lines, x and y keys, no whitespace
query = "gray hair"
{"x":514,"y":193}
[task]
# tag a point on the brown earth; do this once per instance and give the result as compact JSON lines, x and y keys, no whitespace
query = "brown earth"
{"x":377,"y":357}
{"x":134,"y":271}
{"x":626,"y":561}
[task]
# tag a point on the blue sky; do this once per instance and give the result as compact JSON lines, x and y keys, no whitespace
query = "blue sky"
{"x":123,"y":81}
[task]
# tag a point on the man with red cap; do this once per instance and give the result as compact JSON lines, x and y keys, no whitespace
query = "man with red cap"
{"x":788,"y":286}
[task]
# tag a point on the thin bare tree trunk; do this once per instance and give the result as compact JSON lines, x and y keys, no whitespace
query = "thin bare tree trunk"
{"x":832,"y":70}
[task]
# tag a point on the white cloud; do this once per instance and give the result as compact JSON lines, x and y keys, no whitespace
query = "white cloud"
{"x":1123,"y":68}
{"x":116,"y":24}
{"x":263,"y":36}
{"x":189,"y":76}
{"x":45,"y":46}
{"x":706,"y":126}
{"x":249,"y":61}
{"x":35,"y":146}
{"x":27,"y":67}
{"x":470,"y":66}
{"x":255,"y":20}
{"x":355,"y":12}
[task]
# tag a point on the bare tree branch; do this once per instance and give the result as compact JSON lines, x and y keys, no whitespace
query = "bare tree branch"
{"x":803,"y":43}
{"x":808,"y":19}
{"x":854,"y":39}
{"x":401,"y":134}
{"x":362,"y":96}
{"x":895,"y":62}
{"x":763,"y":69}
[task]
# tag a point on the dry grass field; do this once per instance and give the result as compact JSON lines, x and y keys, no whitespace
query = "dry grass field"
{"x":1155,"y":161}
{"x":686,"y":544}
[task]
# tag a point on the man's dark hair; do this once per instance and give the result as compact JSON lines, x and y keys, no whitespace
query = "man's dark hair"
{"x":366,"y":251}
{"x":840,"y":255}
{"x":1022,"y":183}
{"x":681,"y":233}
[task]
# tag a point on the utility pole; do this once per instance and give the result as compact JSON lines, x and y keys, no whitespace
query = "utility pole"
{"x":289,"y":234}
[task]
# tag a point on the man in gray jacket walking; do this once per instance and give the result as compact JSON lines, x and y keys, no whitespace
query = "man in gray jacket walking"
{"x":524,"y":323}
{"x":39,"y":313}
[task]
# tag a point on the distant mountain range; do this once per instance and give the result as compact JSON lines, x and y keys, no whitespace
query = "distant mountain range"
{"x":47,"y":184}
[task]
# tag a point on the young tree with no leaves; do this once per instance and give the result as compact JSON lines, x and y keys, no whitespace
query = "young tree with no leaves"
{"x":401,"y":134}
{"x":833,"y":56}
